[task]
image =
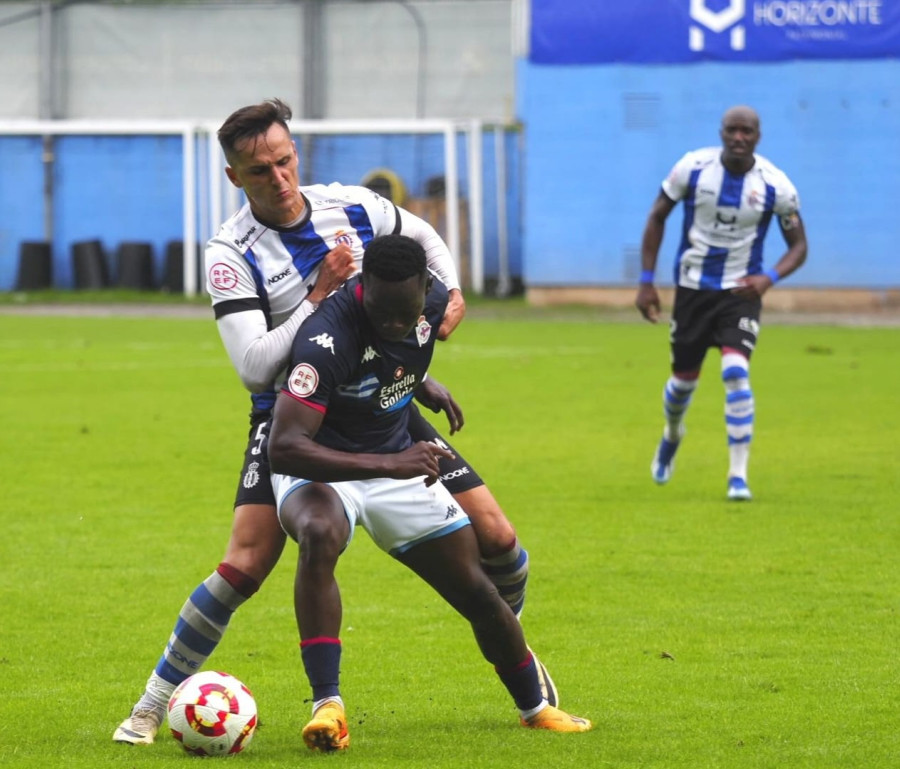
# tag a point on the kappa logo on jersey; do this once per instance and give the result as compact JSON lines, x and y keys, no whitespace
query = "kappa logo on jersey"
{"x":303,"y":381}
{"x":369,"y":354}
{"x":750,"y":325}
{"x":324,"y":340}
{"x":222,"y":277}
{"x":343,"y":237}
{"x":251,"y":477}
{"x":279,"y":277}
{"x":423,"y":330}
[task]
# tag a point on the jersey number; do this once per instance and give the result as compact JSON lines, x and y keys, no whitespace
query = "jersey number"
{"x":259,"y":439}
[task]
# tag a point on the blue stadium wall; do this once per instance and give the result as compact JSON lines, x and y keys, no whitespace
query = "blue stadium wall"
{"x":601,"y":138}
{"x":118,"y":189}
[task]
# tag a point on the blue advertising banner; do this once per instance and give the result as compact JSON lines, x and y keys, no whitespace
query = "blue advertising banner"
{"x":684,"y":31}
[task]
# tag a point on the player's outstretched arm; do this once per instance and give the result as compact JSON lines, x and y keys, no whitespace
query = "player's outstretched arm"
{"x":437,"y":398}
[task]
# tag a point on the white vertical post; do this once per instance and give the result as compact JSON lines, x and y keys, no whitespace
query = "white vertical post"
{"x":452,"y":193}
{"x":476,"y":206}
{"x":503,"y":278}
{"x":189,"y":191}
{"x":214,"y":174}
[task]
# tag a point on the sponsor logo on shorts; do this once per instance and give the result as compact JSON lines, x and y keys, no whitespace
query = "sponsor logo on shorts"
{"x":452,"y":512}
{"x":222,"y":277}
{"x":749,"y":325}
{"x":458,"y":473}
{"x":303,"y":381}
{"x":251,"y":477}
{"x":438,"y":442}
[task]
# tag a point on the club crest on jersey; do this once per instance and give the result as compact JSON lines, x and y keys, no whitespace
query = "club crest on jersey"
{"x":398,"y":372}
{"x":423,"y":330}
{"x":324,"y":340}
{"x":222,"y":277}
{"x":369,"y":354}
{"x":343,"y":237}
{"x":303,"y":381}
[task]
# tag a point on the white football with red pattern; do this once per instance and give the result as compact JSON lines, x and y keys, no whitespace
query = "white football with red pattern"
{"x":212,"y":714}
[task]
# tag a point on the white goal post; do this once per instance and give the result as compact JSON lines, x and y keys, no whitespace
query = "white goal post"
{"x":208,"y":197}
{"x":223,"y":198}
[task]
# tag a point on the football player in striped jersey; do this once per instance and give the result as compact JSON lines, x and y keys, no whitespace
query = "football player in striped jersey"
{"x":730,"y":195}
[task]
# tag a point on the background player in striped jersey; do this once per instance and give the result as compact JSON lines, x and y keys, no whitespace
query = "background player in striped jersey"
{"x":268,"y":267}
{"x":730,"y":196}
{"x":343,"y":457}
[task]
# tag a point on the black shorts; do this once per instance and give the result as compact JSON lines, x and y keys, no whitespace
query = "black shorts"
{"x":255,"y":486}
{"x":255,"y":483}
{"x":704,"y":319}
{"x":456,"y":474}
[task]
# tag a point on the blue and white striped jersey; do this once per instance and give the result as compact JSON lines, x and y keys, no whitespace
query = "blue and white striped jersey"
{"x":258,"y":274}
{"x":250,"y":265}
{"x":726,"y":217}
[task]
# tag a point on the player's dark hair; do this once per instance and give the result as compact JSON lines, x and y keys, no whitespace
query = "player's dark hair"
{"x":249,"y":122}
{"x":394,"y":258}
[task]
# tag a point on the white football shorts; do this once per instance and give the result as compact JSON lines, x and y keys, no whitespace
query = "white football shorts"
{"x":397,"y":514}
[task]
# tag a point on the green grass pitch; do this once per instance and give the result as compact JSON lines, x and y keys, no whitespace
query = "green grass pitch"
{"x":694,"y":632}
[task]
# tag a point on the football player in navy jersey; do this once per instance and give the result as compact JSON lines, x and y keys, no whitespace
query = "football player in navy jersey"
{"x":341,"y":455}
{"x":730,"y":196}
{"x":268,"y":267}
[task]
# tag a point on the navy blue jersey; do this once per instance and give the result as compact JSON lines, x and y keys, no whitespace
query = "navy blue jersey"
{"x":360,"y":382}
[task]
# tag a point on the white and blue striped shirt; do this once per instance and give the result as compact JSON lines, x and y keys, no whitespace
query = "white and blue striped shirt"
{"x":726,"y":217}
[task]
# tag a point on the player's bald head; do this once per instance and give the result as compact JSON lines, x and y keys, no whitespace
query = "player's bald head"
{"x":741,"y":113}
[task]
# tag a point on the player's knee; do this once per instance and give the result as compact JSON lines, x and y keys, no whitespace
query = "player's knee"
{"x":256,"y":540}
{"x":494,"y":531}
{"x":480,"y":603}
{"x":495,"y":535}
{"x":735,"y":371}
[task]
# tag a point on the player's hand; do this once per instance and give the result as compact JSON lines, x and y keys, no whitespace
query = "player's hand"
{"x":752,"y":286}
{"x":420,"y":459}
{"x":453,"y":315}
{"x":336,"y":267}
{"x":435,"y":397}
{"x":647,"y":302}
